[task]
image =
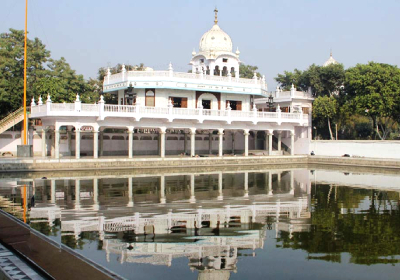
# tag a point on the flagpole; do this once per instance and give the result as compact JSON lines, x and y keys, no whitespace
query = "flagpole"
{"x":25,"y":55}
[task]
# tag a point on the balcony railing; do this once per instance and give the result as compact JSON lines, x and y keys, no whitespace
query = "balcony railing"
{"x":102,"y":111}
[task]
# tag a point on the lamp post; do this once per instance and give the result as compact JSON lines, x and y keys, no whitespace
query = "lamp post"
{"x":270,"y":102}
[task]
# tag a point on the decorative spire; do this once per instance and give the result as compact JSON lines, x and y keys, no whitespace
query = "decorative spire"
{"x":216,"y":15}
{"x":331,"y":53}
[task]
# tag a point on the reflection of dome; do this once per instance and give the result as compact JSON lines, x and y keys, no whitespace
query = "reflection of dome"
{"x":330,"y":61}
{"x":215,"y":40}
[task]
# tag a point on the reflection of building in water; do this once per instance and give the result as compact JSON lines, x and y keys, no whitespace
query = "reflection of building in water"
{"x":206,"y":218}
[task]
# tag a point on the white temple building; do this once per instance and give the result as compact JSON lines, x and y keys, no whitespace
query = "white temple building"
{"x":211,"y":111}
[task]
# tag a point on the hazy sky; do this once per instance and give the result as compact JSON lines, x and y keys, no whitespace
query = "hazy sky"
{"x":275,"y":35}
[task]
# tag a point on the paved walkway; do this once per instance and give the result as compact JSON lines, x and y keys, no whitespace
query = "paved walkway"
{"x":15,"y":268}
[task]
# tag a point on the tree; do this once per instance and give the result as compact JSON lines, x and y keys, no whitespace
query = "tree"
{"x":247,"y":71}
{"x":325,"y":107}
{"x":375,"y":89}
{"x":12,"y":69}
{"x":286,"y":79}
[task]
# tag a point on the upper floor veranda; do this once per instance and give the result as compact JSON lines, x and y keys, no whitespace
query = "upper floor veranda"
{"x":201,"y":81}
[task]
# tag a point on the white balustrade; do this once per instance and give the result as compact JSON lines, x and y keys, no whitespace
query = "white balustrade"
{"x":68,"y":109}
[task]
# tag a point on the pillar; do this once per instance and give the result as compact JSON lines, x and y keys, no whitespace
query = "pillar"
{"x":270,"y":133}
{"x":210,"y":143}
{"x":221,"y":142}
{"x":57,"y":143}
{"x":44,"y":147}
{"x":292,"y":142}
{"x":279,"y":141}
{"x":77,"y":143}
{"x":246,"y":142}
{"x":192,"y":195}
{"x":101,"y":144}
{"x":162,"y":189}
{"x":95,"y":143}
{"x":192,"y":142}
{"x":130,"y":141}
{"x":162,"y":141}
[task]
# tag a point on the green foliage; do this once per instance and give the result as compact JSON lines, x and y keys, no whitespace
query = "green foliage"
{"x":44,"y":75}
{"x":375,"y":88}
{"x":247,"y":71}
{"x":325,"y":107}
{"x":12,"y":69}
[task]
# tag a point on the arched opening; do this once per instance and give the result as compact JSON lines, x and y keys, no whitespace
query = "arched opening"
{"x":233,"y":71}
{"x":216,"y":71}
{"x":225,"y":71}
{"x":208,"y":70}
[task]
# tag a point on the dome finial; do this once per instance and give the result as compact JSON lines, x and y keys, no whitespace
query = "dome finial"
{"x":216,"y":15}
{"x":331,"y":52}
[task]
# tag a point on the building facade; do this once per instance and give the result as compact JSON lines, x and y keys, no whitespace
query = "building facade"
{"x":211,"y":110}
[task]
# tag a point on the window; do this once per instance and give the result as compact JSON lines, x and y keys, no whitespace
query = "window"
{"x":150,"y":97}
{"x":224,"y":60}
{"x":235,"y":105}
{"x":206,"y":104}
{"x":179,"y":102}
{"x":202,"y":60}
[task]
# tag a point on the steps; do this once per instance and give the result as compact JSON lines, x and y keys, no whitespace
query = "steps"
{"x":12,"y":119}
{"x":285,"y":149}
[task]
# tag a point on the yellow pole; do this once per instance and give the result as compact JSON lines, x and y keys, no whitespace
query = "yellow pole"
{"x":25,"y":202}
{"x":25,"y":55}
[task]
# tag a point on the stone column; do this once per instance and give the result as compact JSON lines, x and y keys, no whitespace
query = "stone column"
{"x":279,"y":141}
{"x":192,"y":142}
{"x":270,"y":133}
{"x":292,"y":142}
{"x":162,"y":189}
{"x":130,"y":141}
{"x":221,"y":142}
{"x":77,"y":143}
{"x":101,"y":143}
{"x":95,"y":143}
{"x":246,"y":184}
{"x":192,"y":186}
{"x":44,"y":146}
{"x":162,"y":141}
{"x":210,"y":143}
{"x":57,"y":143}
{"x":246,"y":142}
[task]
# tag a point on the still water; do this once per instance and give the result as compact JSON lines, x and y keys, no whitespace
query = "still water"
{"x":277,"y":224}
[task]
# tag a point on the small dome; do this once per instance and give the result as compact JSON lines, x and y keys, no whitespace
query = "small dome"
{"x":330,"y":61}
{"x":215,"y":40}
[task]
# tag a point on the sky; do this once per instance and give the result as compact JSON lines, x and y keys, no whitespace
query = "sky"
{"x":275,"y":35}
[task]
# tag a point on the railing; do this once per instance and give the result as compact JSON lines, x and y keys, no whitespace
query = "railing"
{"x":63,"y":107}
{"x":103,"y":111}
{"x":151,"y":74}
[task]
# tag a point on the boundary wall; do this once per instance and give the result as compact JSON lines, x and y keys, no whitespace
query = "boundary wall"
{"x":357,"y":148}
